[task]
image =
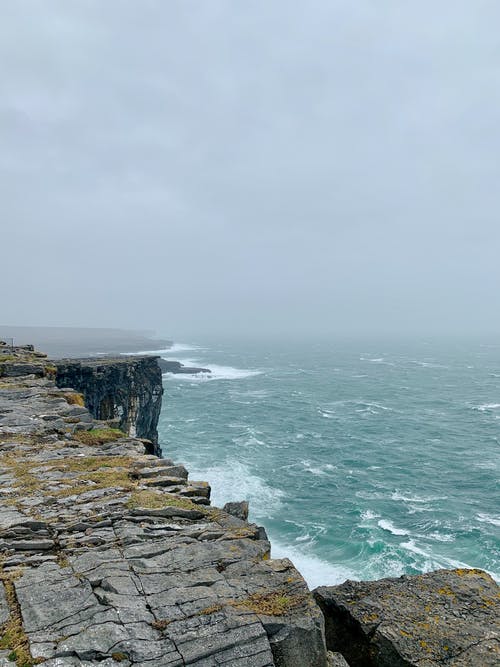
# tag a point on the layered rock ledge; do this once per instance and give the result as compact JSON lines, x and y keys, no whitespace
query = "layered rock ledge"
{"x":112,"y":555}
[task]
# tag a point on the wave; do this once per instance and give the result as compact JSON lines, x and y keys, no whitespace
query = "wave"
{"x":233,"y":480}
{"x":316,"y":470}
{"x":316,"y":572}
{"x":390,"y":527}
{"x":433,"y":561}
{"x":217,"y":373}
{"x":331,"y":410}
{"x":488,"y":518}
{"x":174,"y":349}
{"x":427,"y":364}
{"x":413,"y":498}
{"x":161,"y":352}
{"x":487,"y":406}
{"x":183,"y":347}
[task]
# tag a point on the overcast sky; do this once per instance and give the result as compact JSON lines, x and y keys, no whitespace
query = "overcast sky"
{"x":217,"y":167}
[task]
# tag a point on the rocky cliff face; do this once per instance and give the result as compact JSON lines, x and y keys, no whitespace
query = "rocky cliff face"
{"x":126,"y":389}
{"x":109,"y":555}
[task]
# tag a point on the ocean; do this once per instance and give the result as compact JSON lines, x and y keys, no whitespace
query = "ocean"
{"x":361,"y":459}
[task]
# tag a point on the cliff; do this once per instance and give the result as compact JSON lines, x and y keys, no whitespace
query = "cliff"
{"x":126,"y":389}
{"x":112,"y":555}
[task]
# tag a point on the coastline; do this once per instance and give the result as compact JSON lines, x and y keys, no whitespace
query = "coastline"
{"x":119,"y":545}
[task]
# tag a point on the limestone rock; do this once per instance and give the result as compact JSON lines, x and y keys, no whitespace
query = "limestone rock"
{"x":447,"y":617}
{"x":115,"y":557}
{"x":239,"y":509}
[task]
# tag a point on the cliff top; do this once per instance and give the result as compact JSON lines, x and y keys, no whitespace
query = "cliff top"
{"x":112,"y":555}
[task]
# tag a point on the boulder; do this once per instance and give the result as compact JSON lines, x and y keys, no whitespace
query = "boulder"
{"x":237,"y":509}
{"x":445,"y":617}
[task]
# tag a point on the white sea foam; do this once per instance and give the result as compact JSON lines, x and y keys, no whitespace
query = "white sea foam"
{"x":233,"y":480}
{"x":413,"y":498}
{"x":316,"y":470}
{"x":303,"y":538}
{"x":217,"y":373}
{"x":166,"y":352}
{"x":183,"y":347}
{"x":315,"y":571}
{"x":391,"y":528}
{"x":427,"y":364}
{"x":494,"y":520}
{"x":487,"y":406}
{"x":433,"y":561}
{"x":441,"y":537}
{"x":368,"y":514}
{"x":372,"y":408}
{"x":161,"y":352}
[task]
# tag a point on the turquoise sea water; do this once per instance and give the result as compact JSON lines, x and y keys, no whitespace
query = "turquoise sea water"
{"x":361,"y":459}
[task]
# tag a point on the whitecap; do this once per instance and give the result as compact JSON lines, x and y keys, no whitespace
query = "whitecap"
{"x":316,"y":470}
{"x":488,"y":518}
{"x":441,"y":537}
{"x":412,"y":498}
{"x":183,"y":347}
{"x":433,"y":561}
{"x":390,"y":527}
{"x":427,"y":364}
{"x":217,"y":373}
{"x":487,"y":406}
{"x":367,"y":515}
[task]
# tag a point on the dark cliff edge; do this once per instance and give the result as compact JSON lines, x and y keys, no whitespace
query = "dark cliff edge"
{"x":126,"y":389}
{"x":110,"y":554}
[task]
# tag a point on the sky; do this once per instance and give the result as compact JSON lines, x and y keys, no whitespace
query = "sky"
{"x":266,"y":168}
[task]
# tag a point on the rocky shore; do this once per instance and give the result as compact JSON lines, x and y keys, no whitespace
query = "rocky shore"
{"x":110,"y":554}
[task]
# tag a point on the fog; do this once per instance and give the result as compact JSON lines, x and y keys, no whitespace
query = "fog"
{"x":320,"y":167}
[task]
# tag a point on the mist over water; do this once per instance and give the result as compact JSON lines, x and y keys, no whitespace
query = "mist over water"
{"x":361,"y":460}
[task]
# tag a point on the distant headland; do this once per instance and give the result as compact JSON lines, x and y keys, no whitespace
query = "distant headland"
{"x":60,"y":342}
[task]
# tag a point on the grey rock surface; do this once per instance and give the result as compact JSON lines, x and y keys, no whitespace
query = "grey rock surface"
{"x":116,"y":557}
{"x":237,"y":509}
{"x":446,"y":617}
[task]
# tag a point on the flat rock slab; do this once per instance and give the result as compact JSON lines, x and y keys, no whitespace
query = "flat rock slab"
{"x":447,"y":617}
